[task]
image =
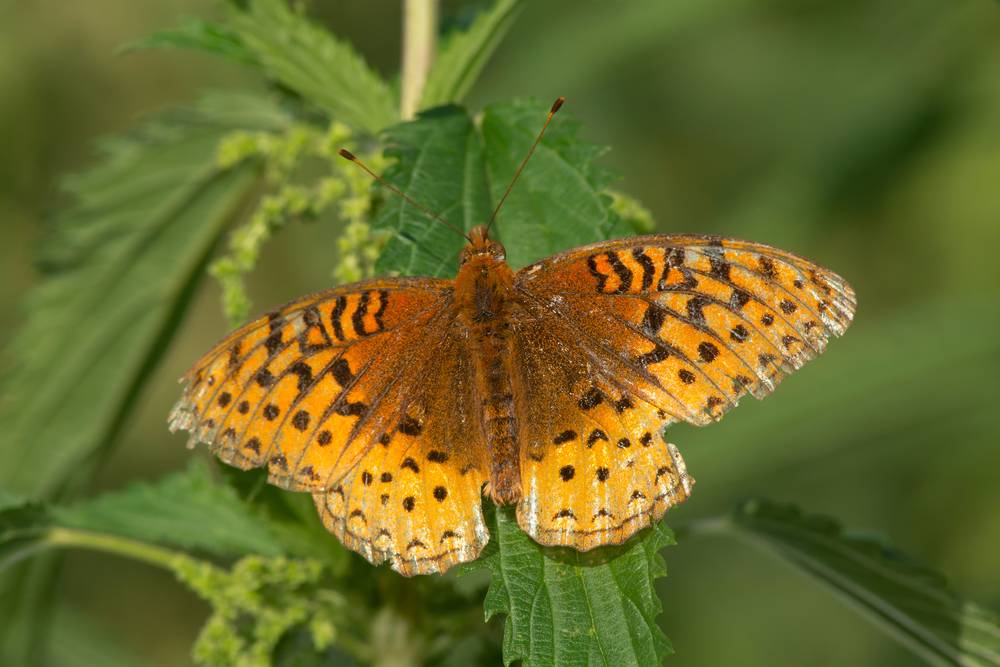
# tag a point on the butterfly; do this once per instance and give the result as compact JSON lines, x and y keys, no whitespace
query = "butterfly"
{"x":399,"y":402}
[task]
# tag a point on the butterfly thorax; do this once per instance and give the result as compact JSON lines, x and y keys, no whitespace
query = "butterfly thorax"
{"x":484,"y":296}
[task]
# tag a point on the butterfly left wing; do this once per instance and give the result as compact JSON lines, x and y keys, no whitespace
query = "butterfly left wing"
{"x":667,"y":328}
{"x":360,"y":395}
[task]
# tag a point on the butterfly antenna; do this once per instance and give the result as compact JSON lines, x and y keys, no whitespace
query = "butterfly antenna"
{"x":548,"y":119}
{"x":348,"y":155}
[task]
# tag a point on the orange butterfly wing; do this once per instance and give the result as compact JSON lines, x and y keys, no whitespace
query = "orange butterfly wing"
{"x":624,"y":337}
{"x":335,"y":393}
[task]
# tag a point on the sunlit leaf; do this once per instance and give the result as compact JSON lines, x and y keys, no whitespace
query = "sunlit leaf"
{"x":457,"y":170}
{"x":439,"y":164}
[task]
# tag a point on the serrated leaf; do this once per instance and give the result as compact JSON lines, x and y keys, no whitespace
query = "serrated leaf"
{"x":439,"y":164}
{"x":118,"y":269}
{"x":453,"y":168}
{"x":911,"y":603}
{"x":305,"y":58}
{"x":564,"y":607}
{"x":464,"y":53}
{"x":200,"y":35}
{"x":559,"y":202}
{"x":186,"y":509}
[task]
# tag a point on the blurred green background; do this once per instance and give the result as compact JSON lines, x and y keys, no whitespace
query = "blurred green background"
{"x":862,"y":134}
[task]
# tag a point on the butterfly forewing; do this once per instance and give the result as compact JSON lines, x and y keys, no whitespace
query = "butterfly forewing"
{"x":357,"y":395}
{"x":708,"y":318}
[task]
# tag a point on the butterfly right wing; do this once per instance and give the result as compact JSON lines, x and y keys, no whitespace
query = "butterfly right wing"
{"x":694,"y":322}
{"x":622,"y":338}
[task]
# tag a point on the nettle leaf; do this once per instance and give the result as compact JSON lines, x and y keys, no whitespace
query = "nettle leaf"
{"x":199,"y":35}
{"x":186,"y":509}
{"x":560,"y":200}
{"x":909,"y":602}
{"x":308,"y":60}
{"x":447,"y":164}
{"x":439,"y":164}
{"x":564,"y":607}
{"x":118,"y":268}
{"x":464,"y":53}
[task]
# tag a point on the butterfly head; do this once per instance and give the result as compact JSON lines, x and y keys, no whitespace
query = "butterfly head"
{"x":481,"y":246}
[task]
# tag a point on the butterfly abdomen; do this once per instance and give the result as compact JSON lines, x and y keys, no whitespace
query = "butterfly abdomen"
{"x":483,"y":293}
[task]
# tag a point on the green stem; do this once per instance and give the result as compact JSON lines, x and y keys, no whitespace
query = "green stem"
{"x":121,"y":546}
{"x":420,"y":18}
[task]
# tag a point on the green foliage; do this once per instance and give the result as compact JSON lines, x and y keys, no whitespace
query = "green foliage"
{"x":910,"y":602}
{"x":306,"y":177}
{"x":464,"y":53}
{"x":200,"y":35}
{"x":256,"y":603}
{"x":187,"y":509}
{"x":568,"y":608}
{"x":306,"y":59}
{"x":119,"y":266}
{"x":451,"y":166}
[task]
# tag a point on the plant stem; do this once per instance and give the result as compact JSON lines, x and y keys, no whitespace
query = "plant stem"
{"x":420,"y":18}
{"x":121,"y":546}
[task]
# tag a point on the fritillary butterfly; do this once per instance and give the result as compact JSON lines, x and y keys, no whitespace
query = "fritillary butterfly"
{"x":398,"y":402}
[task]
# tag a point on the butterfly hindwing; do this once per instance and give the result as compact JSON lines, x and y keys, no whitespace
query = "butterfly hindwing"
{"x":594,"y":467}
{"x":410,"y":506}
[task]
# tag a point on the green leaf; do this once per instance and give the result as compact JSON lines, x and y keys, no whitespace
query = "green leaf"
{"x":22,"y":527}
{"x":564,"y":607}
{"x":186,"y":509}
{"x":118,"y":269}
{"x":449,"y":166}
{"x":909,"y":602}
{"x":307,"y":59}
{"x":200,"y":35}
{"x":464,"y":53}
{"x":560,"y":200}
{"x":439,"y":163}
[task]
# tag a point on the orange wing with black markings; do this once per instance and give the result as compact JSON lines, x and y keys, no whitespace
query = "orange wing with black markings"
{"x":342,"y":394}
{"x":631,"y":335}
